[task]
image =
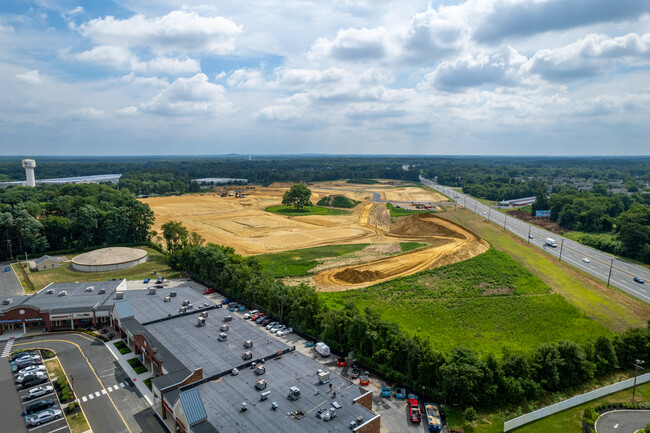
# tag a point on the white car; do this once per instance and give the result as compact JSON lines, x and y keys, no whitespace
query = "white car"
{"x":586,"y":260}
{"x":250,"y":313}
{"x":32,"y":369}
{"x":39,"y":391}
{"x":271,"y":325}
{"x":42,"y":417}
{"x":277,"y":328}
{"x":21,"y":377}
{"x":284,"y":332}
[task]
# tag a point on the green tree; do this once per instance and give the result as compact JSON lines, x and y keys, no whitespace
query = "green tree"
{"x":604,"y":356}
{"x":175,"y":235}
{"x":57,"y":230}
{"x":297,"y":196}
{"x":195,"y":239}
{"x":541,"y":202}
{"x":85,"y":225}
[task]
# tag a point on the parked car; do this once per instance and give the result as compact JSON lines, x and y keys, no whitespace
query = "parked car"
{"x":271,"y":325}
{"x":25,"y":357}
{"x":34,"y":380}
{"x":159,"y":280}
{"x":638,"y":280}
{"x":146,"y":280}
{"x":354,"y":373}
{"x":208,"y":291}
{"x":277,"y":328}
{"x":284,"y":332}
{"x":38,"y":391}
{"x":32,"y":368}
{"x":586,"y":260}
{"x":386,"y":391}
{"x":29,"y":375}
{"x":266,"y":321}
{"x":21,"y":354}
{"x":19,"y":365}
{"x":42,"y":417}
{"x":39,"y":405}
{"x":414,"y":410}
{"x":250,"y":314}
{"x":226,"y":301}
{"x":260,"y":318}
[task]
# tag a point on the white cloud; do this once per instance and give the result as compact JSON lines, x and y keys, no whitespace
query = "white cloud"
{"x":172,"y":66}
{"x":354,"y":45}
{"x":150,"y":81}
{"x":190,"y":96}
{"x":7,"y":29}
{"x":180,"y":31}
{"x":127,"y":111}
{"x":110,"y":55}
{"x":31,"y":77}
{"x":87,"y":113}
{"x":77,"y":10}
{"x":246,"y":78}
{"x":310,"y":77}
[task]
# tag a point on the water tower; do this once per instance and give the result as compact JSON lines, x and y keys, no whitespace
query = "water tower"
{"x":29,"y":165}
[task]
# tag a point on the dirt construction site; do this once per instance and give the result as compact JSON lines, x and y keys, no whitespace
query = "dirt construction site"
{"x":243,"y":224}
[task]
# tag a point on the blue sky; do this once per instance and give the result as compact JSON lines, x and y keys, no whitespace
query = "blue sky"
{"x":520,"y":77}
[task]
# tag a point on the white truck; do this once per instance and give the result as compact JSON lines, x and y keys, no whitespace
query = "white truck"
{"x":323,"y":349}
{"x":551,"y":242}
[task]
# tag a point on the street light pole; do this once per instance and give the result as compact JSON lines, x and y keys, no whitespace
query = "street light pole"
{"x":611,"y":265}
{"x":637,"y":365}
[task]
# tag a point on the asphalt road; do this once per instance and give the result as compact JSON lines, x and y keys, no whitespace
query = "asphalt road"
{"x":9,"y":284}
{"x":623,"y":421}
{"x":11,"y":407}
{"x":600,"y":263}
{"x":92,"y":369}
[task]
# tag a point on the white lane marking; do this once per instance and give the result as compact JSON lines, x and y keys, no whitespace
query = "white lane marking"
{"x":122,"y":385}
{"x":60,"y":428}
{"x":7,"y":350}
{"x":84,"y":399}
{"x":110,"y":389}
{"x":104,"y":391}
{"x":616,"y":426}
{"x":90,"y":396}
{"x":97,"y":394}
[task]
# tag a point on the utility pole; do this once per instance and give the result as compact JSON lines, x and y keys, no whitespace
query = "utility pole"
{"x":504,"y":222}
{"x":489,"y":212}
{"x":465,"y":202}
{"x":637,"y":365}
{"x":528,"y":233}
{"x":611,"y":265}
{"x":561,"y":246}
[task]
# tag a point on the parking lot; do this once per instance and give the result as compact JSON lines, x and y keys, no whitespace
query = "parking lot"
{"x":14,"y":402}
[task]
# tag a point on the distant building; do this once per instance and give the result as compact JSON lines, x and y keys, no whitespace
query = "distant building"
{"x":518,"y":202}
{"x":44,"y":263}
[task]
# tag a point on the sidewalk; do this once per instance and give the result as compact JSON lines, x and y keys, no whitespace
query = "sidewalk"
{"x":138,"y":379}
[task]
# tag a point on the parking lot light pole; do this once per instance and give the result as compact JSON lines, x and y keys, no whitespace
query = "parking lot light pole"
{"x":637,"y":365}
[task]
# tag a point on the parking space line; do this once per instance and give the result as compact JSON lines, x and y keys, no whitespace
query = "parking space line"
{"x":90,"y":396}
{"x":97,"y":394}
{"x":44,"y":425}
{"x":122,"y":385}
{"x":84,"y":399}
{"x":60,"y":428}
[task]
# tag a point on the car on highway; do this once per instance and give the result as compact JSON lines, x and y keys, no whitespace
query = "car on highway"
{"x":639,"y":280}
{"x":586,"y":260}
{"x":42,"y":417}
{"x":414,"y":411}
{"x":484,"y":213}
{"x":38,"y":391}
{"x":208,"y":291}
{"x":39,"y":405}
{"x":32,"y":368}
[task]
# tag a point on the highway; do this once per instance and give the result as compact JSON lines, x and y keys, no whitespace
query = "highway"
{"x":601,"y":265}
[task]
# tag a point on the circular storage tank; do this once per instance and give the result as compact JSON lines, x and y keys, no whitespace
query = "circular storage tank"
{"x":109,"y":259}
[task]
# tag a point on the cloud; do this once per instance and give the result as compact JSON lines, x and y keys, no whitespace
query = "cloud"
{"x":432,"y":35}
{"x":7,"y":29}
{"x":246,"y":78}
{"x":189,"y":97}
{"x":31,"y":77}
{"x":77,"y":10}
{"x":517,"y":18}
{"x":86,"y":113}
{"x":310,"y":77}
{"x":593,"y":55}
{"x":354,"y":45}
{"x":181,"y":31}
{"x":127,"y":111}
{"x":122,"y":58}
{"x":502,"y":68}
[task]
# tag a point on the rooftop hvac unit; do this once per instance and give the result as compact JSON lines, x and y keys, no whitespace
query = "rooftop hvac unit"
{"x":201,"y":322}
{"x":222,"y":336}
{"x":189,"y":306}
{"x":203,"y":314}
{"x":89,"y":289}
{"x":223,"y":328}
{"x":248,"y":344}
{"x":294,"y":393}
{"x":50,"y":291}
{"x":101,"y":291}
{"x":152,"y":291}
{"x":259,"y":369}
{"x":172,"y":294}
{"x":227,"y":318}
{"x":185,"y":302}
{"x":167,"y":299}
{"x":119,"y":295}
{"x":247,"y":355}
{"x":324,"y":376}
{"x":182,"y":310}
{"x":265,"y":395}
{"x":63,"y":293}
{"x":260,"y":384}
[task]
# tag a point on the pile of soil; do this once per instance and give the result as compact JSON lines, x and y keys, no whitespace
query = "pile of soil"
{"x":354,"y":276}
{"x":422,"y":225}
{"x":543,"y":222}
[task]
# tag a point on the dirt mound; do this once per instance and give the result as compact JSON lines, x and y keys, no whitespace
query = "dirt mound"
{"x":423,"y":225}
{"x":380,"y":217}
{"x":354,"y":276}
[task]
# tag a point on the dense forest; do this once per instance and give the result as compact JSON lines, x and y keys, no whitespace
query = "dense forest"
{"x":460,"y":377}
{"x":62,"y":217}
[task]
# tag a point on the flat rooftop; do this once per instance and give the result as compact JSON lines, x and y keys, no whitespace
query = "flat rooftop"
{"x":148,"y":307}
{"x":78,"y":296}
{"x":198,"y":347}
{"x":223,"y":398}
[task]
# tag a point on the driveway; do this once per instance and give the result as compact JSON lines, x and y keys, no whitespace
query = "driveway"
{"x":623,"y":421}
{"x":9,"y":284}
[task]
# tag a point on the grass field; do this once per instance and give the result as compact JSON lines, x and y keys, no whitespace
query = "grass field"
{"x":63,"y":274}
{"x":408,"y":246}
{"x":298,"y":262}
{"x":310,"y":210}
{"x":398,"y":212}
{"x":487,"y":303}
{"x":613,"y":308}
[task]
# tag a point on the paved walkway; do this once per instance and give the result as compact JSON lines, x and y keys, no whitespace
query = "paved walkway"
{"x":138,"y":379}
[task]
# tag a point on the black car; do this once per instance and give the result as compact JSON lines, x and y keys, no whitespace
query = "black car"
{"x":266,"y":322}
{"x":33,"y":381}
{"x":638,"y":280}
{"x":39,"y":405}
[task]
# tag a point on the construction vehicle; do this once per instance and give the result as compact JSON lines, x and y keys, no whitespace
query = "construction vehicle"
{"x":433,"y":417}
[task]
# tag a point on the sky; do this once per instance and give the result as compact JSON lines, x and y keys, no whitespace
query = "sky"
{"x":475,"y":77}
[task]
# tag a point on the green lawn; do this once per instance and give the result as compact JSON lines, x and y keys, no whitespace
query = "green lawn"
{"x":569,"y":421}
{"x":309,"y":210}
{"x":123,"y":348}
{"x":63,"y":274}
{"x":77,"y":422}
{"x":298,"y":262}
{"x":398,"y":212}
{"x":487,"y":303}
{"x":408,"y":246}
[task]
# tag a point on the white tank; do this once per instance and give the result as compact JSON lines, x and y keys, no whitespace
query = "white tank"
{"x":29,"y":165}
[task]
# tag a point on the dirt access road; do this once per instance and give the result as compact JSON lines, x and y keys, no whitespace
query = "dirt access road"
{"x":451,"y":244}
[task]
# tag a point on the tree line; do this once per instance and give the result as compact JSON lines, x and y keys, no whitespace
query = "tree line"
{"x":70,"y":217}
{"x":461,"y":376}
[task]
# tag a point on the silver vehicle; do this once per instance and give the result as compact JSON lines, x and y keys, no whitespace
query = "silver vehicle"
{"x":284,"y":332}
{"x":42,"y":417}
{"x":586,"y":260}
{"x":250,"y":313}
{"x":277,"y":328}
{"x":271,"y":325}
{"x":39,"y":391}
{"x":32,"y":369}
{"x":31,"y":374}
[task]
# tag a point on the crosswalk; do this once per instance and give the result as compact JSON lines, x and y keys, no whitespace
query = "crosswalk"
{"x":7,"y":350}
{"x":102,"y":392}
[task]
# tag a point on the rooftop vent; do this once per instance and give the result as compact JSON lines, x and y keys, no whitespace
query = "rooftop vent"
{"x":222,"y":336}
{"x":172,"y":294}
{"x":89,"y":289}
{"x":248,"y":344}
{"x":152,"y":291}
{"x":167,"y":299}
{"x":49,"y":291}
{"x":119,"y":295}
{"x":223,"y":327}
{"x":247,"y":355}
{"x":201,"y":322}
{"x":63,"y":293}
{"x":102,"y":291}
{"x":203,"y":314}
{"x":185,"y":303}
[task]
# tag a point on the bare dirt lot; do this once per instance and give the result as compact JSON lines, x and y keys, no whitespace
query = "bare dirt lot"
{"x":242,"y":223}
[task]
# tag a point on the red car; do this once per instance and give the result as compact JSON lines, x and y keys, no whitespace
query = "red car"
{"x":414,"y":410}
{"x":257,"y":316}
{"x":208,"y":291}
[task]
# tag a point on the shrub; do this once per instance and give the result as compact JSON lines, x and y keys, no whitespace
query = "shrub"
{"x":65,"y":396}
{"x":469,"y":414}
{"x":70,"y":407}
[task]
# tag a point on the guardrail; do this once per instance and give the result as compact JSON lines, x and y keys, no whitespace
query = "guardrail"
{"x":572,"y":402}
